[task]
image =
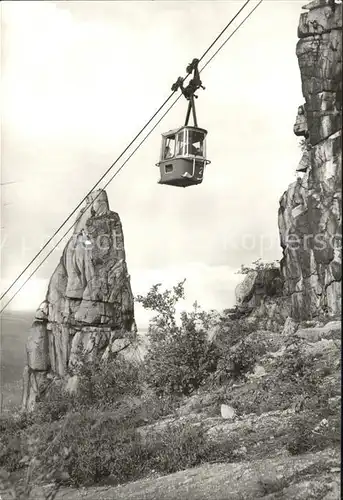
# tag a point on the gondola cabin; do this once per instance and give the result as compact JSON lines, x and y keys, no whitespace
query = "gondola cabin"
{"x":183,"y":156}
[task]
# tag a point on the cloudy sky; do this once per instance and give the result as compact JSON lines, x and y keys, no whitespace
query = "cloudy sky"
{"x":79,"y":80}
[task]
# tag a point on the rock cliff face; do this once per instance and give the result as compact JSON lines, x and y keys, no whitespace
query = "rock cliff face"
{"x":310,"y":214}
{"x":88,"y":311}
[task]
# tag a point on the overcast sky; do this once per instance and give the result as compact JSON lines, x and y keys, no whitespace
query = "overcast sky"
{"x":79,"y":80}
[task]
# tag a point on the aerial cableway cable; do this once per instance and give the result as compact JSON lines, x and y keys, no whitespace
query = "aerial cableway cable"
{"x":116,"y":161}
{"x":228,"y":38}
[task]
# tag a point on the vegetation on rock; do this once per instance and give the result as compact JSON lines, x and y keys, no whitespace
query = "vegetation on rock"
{"x":128,"y":420}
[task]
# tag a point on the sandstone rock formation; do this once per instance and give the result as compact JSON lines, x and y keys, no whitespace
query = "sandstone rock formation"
{"x":310,"y":214}
{"x":257,"y":285}
{"x":259,"y":298}
{"x":88,"y":311}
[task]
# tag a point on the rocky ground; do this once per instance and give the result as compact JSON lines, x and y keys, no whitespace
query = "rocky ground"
{"x":284,"y":435}
{"x":308,"y":476}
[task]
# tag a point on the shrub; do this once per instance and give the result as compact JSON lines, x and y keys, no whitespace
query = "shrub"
{"x":55,"y":404}
{"x":305,"y":145}
{"x":298,"y":368}
{"x":258,"y":265}
{"x":310,"y":433}
{"x":11,"y":443}
{"x":86,"y":449}
{"x":181,"y":362}
{"x":232,"y":331}
{"x":181,"y":446}
{"x":236,"y":353}
{"x":179,"y":358}
{"x":235,"y":362}
{"x":102,"y":384}
{"x":178,"y":447}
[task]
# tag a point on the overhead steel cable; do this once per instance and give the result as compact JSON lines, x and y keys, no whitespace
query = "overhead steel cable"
{"x":84,"y":199}
{"x":223,"y":30}
{"x":231,"y":35}
{"x":89,"y":205}
{"x":119,"y":169}
{"x":114,"y":163}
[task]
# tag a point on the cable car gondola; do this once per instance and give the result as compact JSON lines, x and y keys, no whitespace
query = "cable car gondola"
{"x":183,"y":151}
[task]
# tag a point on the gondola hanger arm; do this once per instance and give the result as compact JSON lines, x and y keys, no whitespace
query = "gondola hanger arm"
{"x":194,"y":84}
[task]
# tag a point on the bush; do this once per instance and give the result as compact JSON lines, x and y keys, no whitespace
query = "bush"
{"x":236,"y":354}
{"x":180,"y":362}
{"x":310,"y":433}
{"x":235,"y":362}
{"x":179,"y":359}
{"x":86,"y":449}
{"x":11,"y":443}
{"x":305,"y":145}
{"x":258,"y":265}
{"x":182,"y":446}
{"x":55,"y":405}
{"x":103,"y":384}
{"x":178,"y":447}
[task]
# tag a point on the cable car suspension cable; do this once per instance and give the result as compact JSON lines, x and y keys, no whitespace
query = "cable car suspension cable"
{"x":236,"y":29}
{"x":116,"y":161}
{"x":87,"y":206}
{"x":223,"y":30}
{"x":113,"y":164}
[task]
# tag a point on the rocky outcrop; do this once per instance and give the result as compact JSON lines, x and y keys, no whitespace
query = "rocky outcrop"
{"x":310,"y":214}
{"x":257,"y":285}
{"x":88,"y":312}
{"x":259,"y":299}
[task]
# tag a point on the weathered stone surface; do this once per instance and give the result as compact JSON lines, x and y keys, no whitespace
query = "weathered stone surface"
{"x":246,"y":480}
{"x":245,"y":289}
{"x":310,"y":213}
{"x":34,"y":385}
{"x":257,"y":285}
{"x":316,"y":4}
{"x":227,"y":412}
{"x":42,"y":312}
{"x":270,"y":314}
{"x":304,"y":163}
{"x":321,"y":19}
{"x":72,"y":384}
{"x":37,"y":347}
{"x":89,"y":306}
{"x":332,"y":330}
{"x":320,"y":61}
{"x":310,"y":233}
{"x":290,"y":326}
{"x":300,"y":127}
